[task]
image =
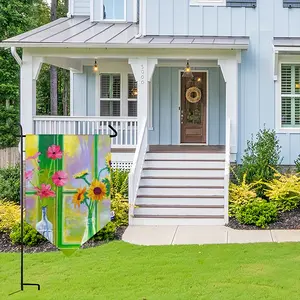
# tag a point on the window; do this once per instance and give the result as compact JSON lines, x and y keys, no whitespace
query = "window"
{"x":291,"y":3}
{"x":132,"y":96}
{"x":110,"y":95}
{"x":290,"y":96}
{"x":232,"y":3}
{"x":114,"y":9}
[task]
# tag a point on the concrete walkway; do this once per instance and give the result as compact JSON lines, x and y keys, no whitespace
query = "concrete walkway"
{"x":190,"y":235}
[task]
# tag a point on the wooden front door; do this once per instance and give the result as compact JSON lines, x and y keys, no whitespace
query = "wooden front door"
{"x":193,"y":116}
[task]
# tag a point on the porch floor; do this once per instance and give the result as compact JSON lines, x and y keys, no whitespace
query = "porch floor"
{"x":187,"y":148}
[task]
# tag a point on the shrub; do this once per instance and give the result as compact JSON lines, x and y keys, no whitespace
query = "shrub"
{"x":284,"y":191}
{"x":259,"y":156}
{"x":120,"y":207}
{"x":9,"y":216}
{"x":31,"y":236}
{"x":10,"y":184}
{"x":297,"y":164}
{"x":259,"y":213}
{"x":8,"y":127}
{"x":241,"y":194}
{"x":107,"y":233}
{"x":119,"y":179}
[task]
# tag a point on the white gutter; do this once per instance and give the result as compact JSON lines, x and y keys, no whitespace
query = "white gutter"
{"x":141,"y":17}
{"x":16,"y":56}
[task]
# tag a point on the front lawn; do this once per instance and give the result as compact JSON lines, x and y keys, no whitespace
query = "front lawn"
{"x":121,"y":271}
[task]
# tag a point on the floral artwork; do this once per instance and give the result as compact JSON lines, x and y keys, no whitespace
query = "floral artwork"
{"x":67,"y":187}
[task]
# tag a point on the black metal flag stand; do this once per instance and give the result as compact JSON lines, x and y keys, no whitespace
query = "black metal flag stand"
{"x":21,"y":136}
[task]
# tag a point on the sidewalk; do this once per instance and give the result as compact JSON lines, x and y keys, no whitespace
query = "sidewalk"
{"x":189,"y":235}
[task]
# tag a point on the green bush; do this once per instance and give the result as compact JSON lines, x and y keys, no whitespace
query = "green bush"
{"x":259,"y":213}
{"x":297,"y":164}
{"x":10,"y":184}
{"x":284,"y":191}
{"x":119,"y":179}
{"x":107,"y":233}
{"x":260,"y":159}
{"x":31,"y":236}
{"x":9,"y":215}
{"x":120,"y":207}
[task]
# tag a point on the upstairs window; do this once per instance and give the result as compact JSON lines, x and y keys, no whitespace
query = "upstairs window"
{"x":114,"y":10}
{"x":290,"y":96}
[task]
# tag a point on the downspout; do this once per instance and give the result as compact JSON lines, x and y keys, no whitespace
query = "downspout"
{"x":141,"y":16}
{"x":16,"y":55}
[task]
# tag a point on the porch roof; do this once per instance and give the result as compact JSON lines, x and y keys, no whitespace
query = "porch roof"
{"x":80,"y":32}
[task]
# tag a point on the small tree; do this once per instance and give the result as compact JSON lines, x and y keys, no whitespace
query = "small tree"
{"x":261,"y":157}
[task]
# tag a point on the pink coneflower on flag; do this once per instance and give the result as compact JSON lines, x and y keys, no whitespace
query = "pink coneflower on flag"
{"x":28,"y":175}
{"x":54,"y":152}
{"x":45,"y":191}
{"x":60,"y":178}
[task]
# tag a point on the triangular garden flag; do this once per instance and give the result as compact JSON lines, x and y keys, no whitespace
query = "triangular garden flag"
{"x":68,"y":187}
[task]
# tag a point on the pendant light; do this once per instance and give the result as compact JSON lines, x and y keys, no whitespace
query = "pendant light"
{"x":187,"y":71}
{"x":95,"y":68}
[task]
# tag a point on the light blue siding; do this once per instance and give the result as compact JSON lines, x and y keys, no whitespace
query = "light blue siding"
{"x":166,"y":102}
{"x":84,"y":93}
{"x":256,"y":85}
{"x":81,"y":7}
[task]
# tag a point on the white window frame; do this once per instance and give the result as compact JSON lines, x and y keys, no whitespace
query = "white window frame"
{"x":113,"y":20}
{"x":130,"y":99}
{"x":207,"y":2}
{"x":283,"y":60}
{"x":110,"y":99}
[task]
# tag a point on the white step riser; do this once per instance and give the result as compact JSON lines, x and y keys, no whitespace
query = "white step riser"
{"x":181,"y":191}
{"x":184,"y":164}
{"x":184,"y":156}
{"x":179,"y":211}
{"x":183,"y":173}
{"x":180,"y":201}
{"x":182,"y":182}
{"x":175,"y":222}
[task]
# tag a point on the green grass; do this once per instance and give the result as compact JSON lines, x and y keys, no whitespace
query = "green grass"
{"x":121,"y":271}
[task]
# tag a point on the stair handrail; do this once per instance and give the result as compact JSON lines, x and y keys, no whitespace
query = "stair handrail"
{"x":137,"y":167}
{"x":227,"y":170}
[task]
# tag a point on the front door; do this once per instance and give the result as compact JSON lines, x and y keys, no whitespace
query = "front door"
{"x":193,"y":108}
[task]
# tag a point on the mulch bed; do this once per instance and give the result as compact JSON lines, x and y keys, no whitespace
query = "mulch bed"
{"x":7,"y":246}
{"x":286,"y":220}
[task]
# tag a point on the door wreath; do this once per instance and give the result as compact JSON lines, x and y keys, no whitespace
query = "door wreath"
{"x":193,"y":94}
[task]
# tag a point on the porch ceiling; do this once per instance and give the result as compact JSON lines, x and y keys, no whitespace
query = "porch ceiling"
{"x":80,"y":32}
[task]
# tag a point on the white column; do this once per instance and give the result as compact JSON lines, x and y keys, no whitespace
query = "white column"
{"x":143,"y":69}
{"x":29,"y":73}
{"x":229,"y":69}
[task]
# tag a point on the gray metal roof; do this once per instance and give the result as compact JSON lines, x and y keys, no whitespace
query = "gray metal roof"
{"x":286,"y":42}
{"x":79,"y":32}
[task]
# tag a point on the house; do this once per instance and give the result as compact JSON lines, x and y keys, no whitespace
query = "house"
{"x":184,"y":82}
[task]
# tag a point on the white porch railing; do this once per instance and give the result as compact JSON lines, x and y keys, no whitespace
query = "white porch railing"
{"x":126,"y":128}
{"x":137,"y":167}
{"x":227,"y":170}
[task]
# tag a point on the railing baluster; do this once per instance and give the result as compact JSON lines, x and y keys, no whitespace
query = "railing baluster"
{"x":126,"y":133}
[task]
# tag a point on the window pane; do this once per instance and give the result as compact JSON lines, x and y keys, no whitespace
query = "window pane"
{"x":109,"y":108}
{"x":297,"y":112}
{"x":104,"y":86}
{"x":114,"y":9}
{"x":286,"y":111}
{"x":132,"y":108}
{"x":297,"y":79}
{"x":132,"y":87}
{"x":286,"y":79}
{"x":110,"y":86}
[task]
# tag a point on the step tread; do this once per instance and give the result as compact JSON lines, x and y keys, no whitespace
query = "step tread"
{"x":182,"y":178}
{"x":176,"y":206}
{"x":178,"y":216}
{"x":186,"y":160}
{"x":181,"y":196}
{"x":179,"y":187}
{"x":184,"y":169}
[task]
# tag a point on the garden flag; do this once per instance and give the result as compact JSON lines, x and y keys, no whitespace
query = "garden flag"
{"x":67,"y":187}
